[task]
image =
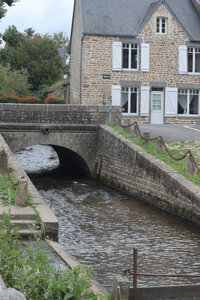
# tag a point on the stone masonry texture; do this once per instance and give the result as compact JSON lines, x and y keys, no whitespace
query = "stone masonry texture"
{"x":97,"y":60}
{"x":128,"y":168}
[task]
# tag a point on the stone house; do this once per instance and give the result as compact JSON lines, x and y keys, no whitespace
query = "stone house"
{"x":143,"y":55}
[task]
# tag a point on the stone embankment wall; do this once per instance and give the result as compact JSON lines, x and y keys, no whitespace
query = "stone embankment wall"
{"x":128,"y":168}
{"x":47,"y":217}
{"x":57,"y":113}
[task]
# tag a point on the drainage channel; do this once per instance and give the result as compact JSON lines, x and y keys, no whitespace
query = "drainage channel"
{"x":100,"y":226}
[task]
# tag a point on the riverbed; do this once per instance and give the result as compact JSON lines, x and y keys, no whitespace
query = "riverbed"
{"x":101,"y":226}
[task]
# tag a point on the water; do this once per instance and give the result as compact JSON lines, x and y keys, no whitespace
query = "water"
{"x":100,"y":226}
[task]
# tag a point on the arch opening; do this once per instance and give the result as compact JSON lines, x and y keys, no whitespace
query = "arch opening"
{"x":71,"y":161}
{"x":46,"y":158}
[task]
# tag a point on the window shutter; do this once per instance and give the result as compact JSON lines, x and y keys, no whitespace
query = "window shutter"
{"x":117,"y":55}
{"x":182,"y":59}
{"x":144,"y":111}
{"x":144,"y":57}
{"x":116,"y":95}
{"x":171,"y":102}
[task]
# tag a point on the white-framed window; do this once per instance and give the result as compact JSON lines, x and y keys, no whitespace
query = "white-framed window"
{"x":161,"y":25}
{"x":130,"y":53}
{"x":188,"y":102}
{"x":193,"y":60}
{"x":125,"y":56}
{"x":129,"y":100}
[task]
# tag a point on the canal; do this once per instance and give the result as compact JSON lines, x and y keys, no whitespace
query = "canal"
{"x":100,"y":226}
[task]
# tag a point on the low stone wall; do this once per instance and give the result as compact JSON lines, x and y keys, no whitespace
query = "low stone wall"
{"x":190,"y":292}
{"x":128,"y":168}
{"x":47,"y":217}
{"x":57,"y":113}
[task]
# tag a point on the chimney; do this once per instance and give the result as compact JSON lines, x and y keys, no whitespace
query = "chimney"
{"x":197,"y":5}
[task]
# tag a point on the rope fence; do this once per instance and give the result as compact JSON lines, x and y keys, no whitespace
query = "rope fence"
{"x":188,"y":154}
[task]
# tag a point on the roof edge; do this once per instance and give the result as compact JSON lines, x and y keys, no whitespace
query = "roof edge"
{"x":144,"y":21}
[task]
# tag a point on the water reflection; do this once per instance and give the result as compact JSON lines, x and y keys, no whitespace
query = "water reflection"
{"x":100,"y":227}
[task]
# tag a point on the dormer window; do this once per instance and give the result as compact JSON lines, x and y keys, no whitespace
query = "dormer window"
{"x":161,"y":25}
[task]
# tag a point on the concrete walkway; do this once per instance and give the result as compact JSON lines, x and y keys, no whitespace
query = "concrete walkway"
{"x":172,"y":133}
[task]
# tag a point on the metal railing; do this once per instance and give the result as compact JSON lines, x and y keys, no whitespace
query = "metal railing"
{"x":135,"y":274}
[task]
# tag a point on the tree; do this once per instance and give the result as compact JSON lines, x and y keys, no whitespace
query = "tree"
{"x":29,"y":32}
{"x":60,"y":38}
{"x":3,"y":9}
{"x":39,"y":57}
{"x":14,"y":82}
{"x":12,"y":36}
{"x":62,"y":41}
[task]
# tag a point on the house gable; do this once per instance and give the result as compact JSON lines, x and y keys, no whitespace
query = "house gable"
{"x":123,"y":18}
{"x":152,"y":9}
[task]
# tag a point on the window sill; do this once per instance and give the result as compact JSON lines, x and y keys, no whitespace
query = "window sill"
{"x":191,"y":116}
{"x":127,"y":114}
{"x":193,"y":74}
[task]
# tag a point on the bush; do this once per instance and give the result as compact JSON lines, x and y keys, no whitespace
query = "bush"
{"x":9,"y":98}
{"x":14,"y":82}
{"x":30,"y":99}
{"x":53,"y":100}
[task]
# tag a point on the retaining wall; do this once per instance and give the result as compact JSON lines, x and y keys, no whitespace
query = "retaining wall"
{"x":128,"y":168}
{"x":190,"y":292}
{"x":47,"y":217}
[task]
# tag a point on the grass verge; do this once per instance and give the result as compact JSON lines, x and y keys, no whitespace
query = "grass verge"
{"x":176,"y":149}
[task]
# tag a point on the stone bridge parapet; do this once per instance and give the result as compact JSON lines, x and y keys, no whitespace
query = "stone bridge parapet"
{"x":57,"y":113}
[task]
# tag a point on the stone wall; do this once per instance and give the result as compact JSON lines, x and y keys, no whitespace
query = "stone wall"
{"x":128,"y":168}
{"x":76,"y":41}
{"x":56,"y":113}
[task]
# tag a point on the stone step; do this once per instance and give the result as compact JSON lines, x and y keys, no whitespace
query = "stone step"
{"x":28,"y":234}
{"x":18,"y":212}
{"x":24,"y":224}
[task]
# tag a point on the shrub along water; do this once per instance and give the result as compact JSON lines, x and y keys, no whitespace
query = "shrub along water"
{"x":34,"y":276}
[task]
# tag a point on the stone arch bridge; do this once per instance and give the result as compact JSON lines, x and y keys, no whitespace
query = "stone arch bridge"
{"x":72,"y":130}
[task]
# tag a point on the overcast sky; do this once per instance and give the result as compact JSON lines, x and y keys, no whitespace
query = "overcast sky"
{"x":44,"y":16}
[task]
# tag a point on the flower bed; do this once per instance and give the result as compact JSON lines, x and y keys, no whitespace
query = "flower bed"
{"x":53,"y":100}
{"x":15,"y":99}
{"x":30,"y":99}
{"x":9,"y":98}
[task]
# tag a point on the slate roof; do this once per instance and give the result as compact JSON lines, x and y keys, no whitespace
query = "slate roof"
{"x":126,"y":17}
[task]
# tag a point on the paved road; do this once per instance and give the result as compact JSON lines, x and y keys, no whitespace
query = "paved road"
{"x":173,"y":133}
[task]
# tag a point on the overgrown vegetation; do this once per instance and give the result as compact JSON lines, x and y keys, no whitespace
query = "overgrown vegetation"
{"x":14,"y":81}
{"x":7,"y":189}
{"x":34,"y":276}
{"x":176,"y":149}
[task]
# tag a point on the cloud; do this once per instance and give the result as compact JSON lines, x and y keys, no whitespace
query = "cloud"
{"x":44,"y":16}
